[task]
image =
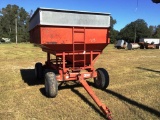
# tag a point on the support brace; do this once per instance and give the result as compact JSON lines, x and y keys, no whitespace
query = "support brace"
{"x":104,"y":109}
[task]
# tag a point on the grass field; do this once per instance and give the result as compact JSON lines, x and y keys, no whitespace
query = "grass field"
{"x":133,"y":93}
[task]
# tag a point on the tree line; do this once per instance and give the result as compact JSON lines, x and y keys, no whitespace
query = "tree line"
{"x":135,"y":30}
{"x":13,"y":16}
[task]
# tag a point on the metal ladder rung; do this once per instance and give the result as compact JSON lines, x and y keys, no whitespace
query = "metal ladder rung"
{"x":79,"y":60}
{"x":78,"y":42}
{"x":78,"y":51}
{"x":76,"y":31}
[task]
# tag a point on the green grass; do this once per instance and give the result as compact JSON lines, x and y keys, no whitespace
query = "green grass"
{"x":133,"y":92}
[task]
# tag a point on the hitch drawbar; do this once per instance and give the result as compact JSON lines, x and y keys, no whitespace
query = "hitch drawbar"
{"x":103,"y":107}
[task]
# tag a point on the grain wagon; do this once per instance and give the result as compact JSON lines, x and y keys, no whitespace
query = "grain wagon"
{"x":76,"y":38}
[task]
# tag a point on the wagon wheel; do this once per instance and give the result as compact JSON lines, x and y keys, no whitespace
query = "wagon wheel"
{"x":51,"y":84}
{"x":39,"y":71}
{"x":102,"y":79}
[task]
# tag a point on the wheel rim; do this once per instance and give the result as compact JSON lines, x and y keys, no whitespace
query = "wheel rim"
{"x":98,"y":79}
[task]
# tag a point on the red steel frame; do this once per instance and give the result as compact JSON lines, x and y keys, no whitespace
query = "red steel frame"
{"x":66,"y":75}
{"x":63,"y":68}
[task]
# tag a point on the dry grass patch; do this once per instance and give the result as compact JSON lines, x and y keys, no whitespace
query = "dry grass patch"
{"x":133,"y":92}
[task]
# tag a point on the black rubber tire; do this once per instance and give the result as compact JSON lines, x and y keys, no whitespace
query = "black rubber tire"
{"x":142,"y":47}
{"x":39,"y":71}
{"x":51,"y":85}
{"x":102,"y":79}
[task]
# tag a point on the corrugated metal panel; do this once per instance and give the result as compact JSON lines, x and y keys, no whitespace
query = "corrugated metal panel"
{"x":34,"y":21}
{"x":44,"y":16}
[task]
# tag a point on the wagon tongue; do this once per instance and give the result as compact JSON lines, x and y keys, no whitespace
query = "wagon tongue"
{"x":106,"y":111}
{"x":103,"y":107}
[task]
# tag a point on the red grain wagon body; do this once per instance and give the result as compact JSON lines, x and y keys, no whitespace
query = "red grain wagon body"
{"x":76,"y":38}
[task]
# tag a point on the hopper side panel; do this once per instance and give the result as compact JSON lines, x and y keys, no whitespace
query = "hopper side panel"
{"x":56,"y":35}
{"x":96,"y":36}
{"x":35,"y":35}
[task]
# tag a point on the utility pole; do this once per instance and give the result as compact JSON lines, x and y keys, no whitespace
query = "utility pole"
{"x":16,"y":28}
{"x":135,"y":33}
